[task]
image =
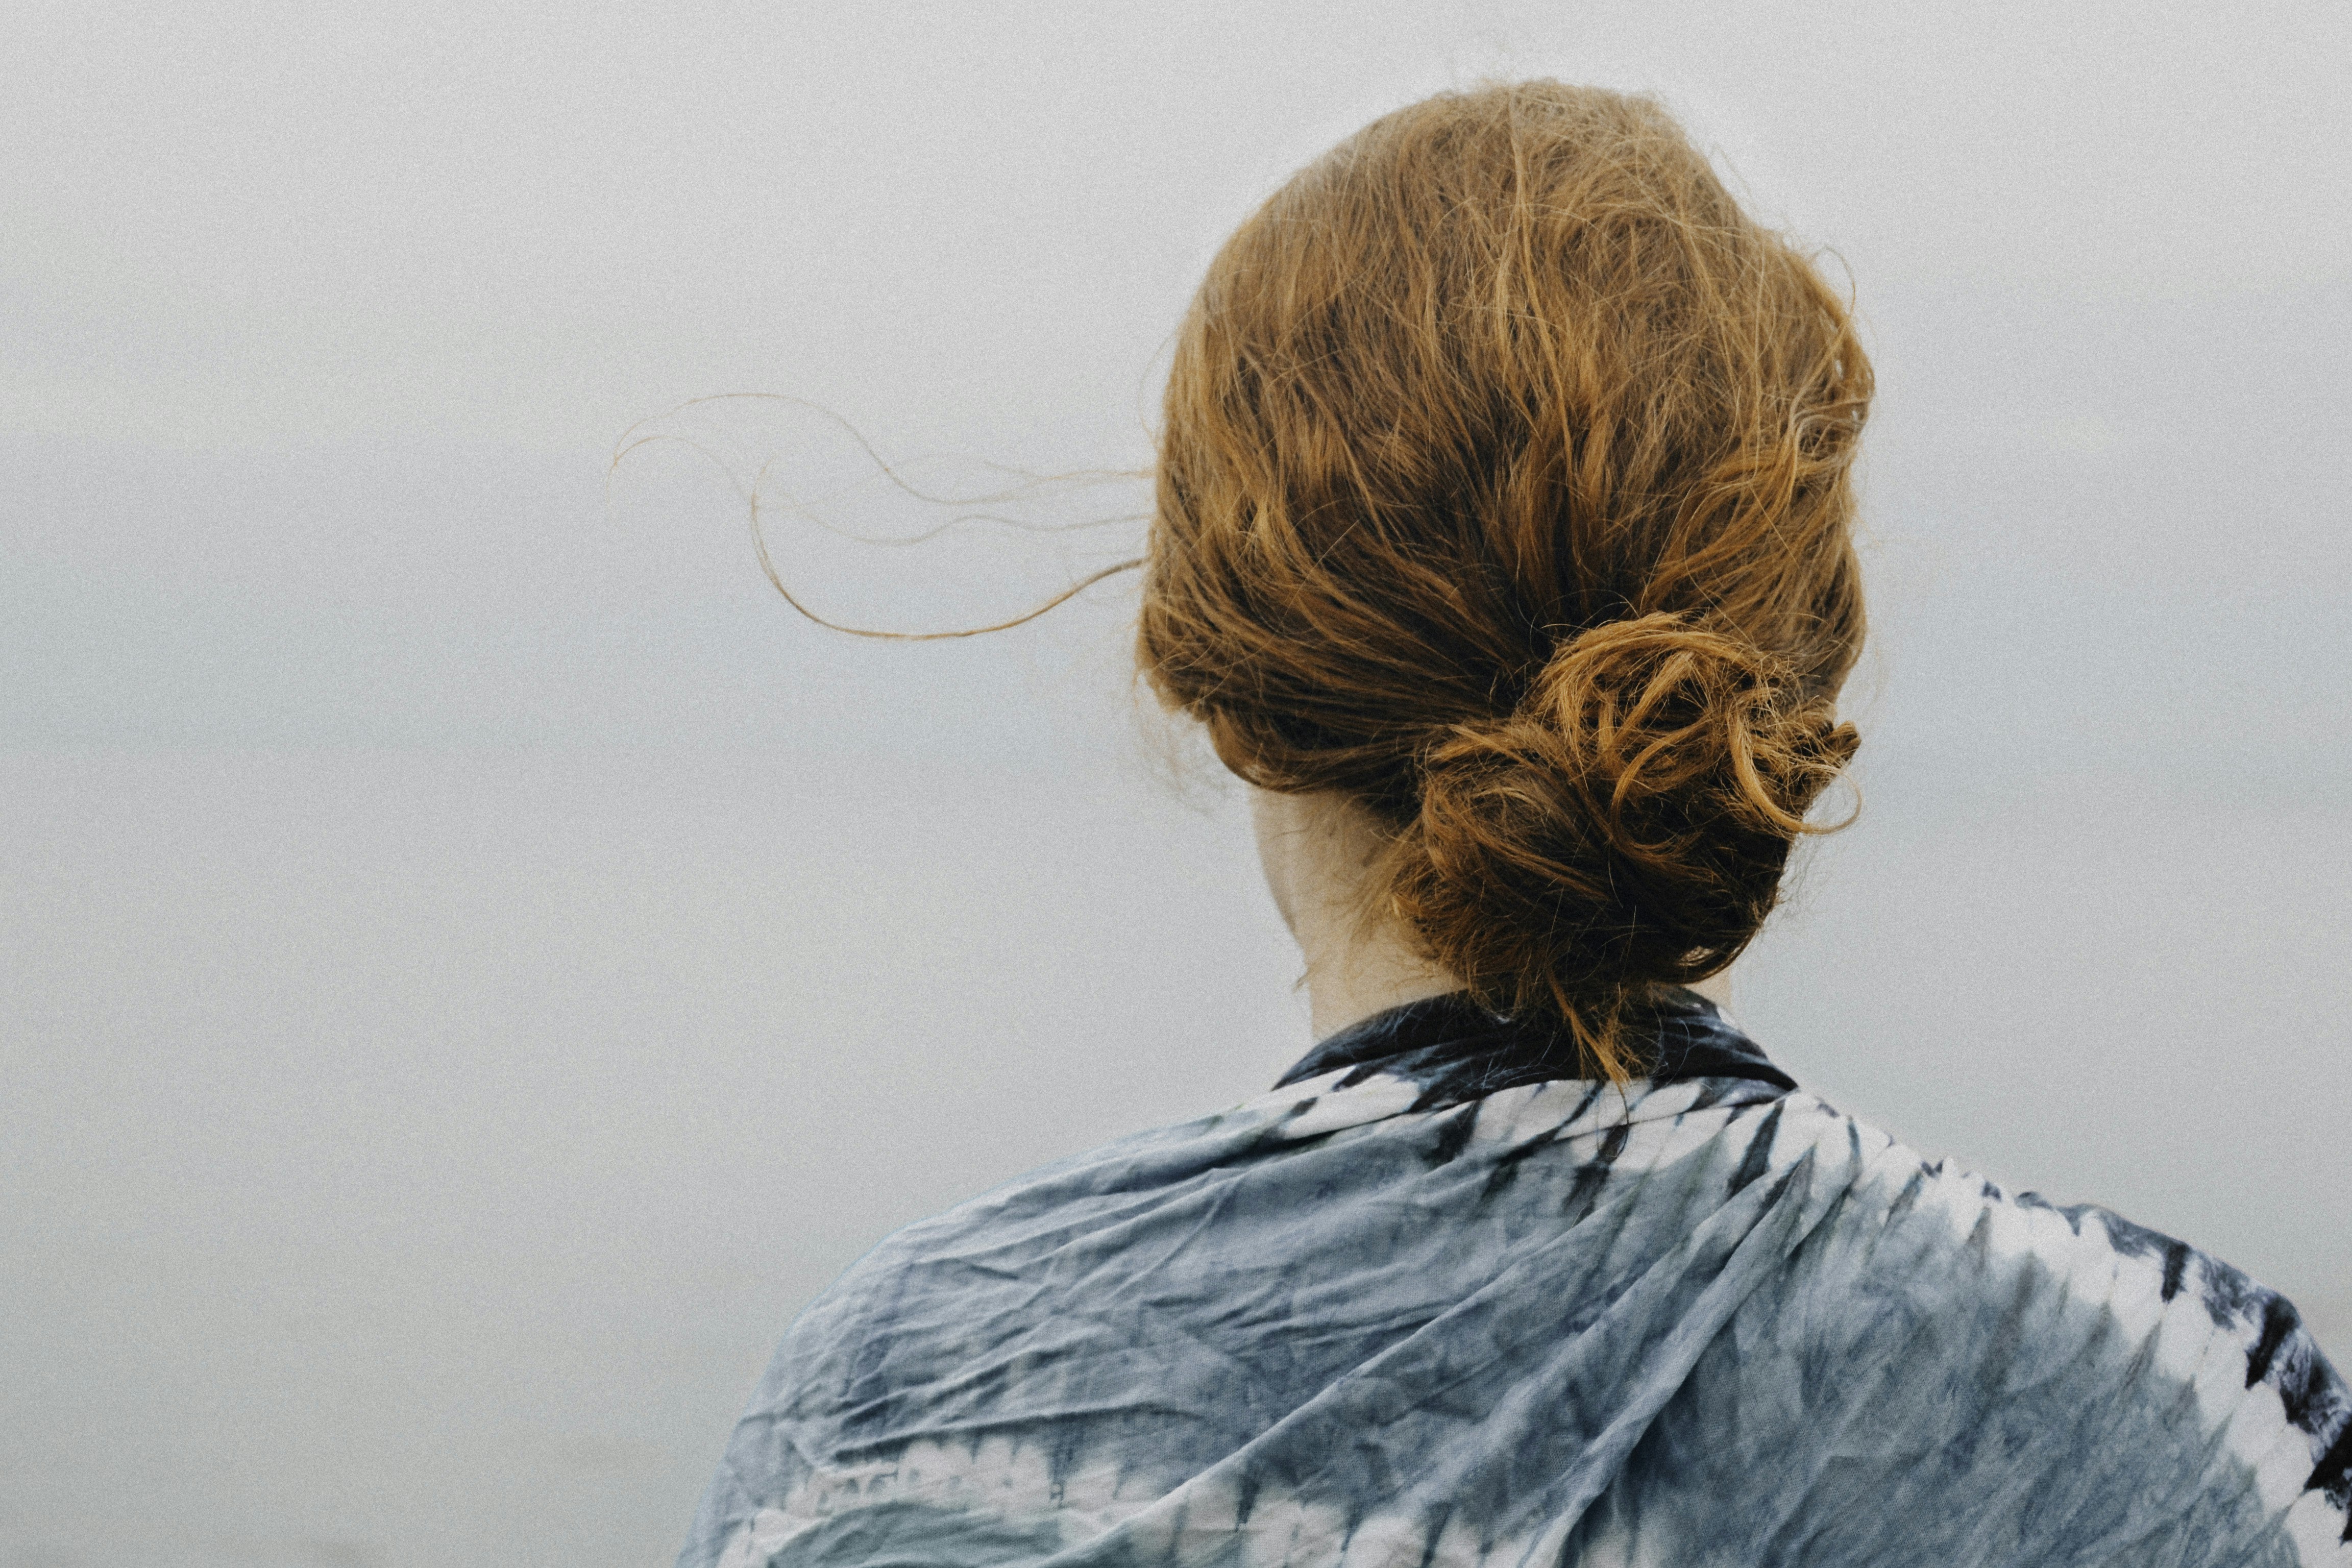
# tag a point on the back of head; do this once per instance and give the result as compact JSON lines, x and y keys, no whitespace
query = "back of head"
{"x":1505,"y":490}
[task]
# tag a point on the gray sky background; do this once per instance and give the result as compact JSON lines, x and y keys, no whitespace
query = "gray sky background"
{"x":476,"y":961}
{"x":320,"y":326}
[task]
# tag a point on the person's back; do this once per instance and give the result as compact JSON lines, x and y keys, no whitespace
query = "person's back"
{"x":1433,"y":1303}
{"x":1503,"y":542}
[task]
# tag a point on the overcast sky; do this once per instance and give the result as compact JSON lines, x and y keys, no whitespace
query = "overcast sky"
{"x":320,"y":324}
{"x":257,"y":222}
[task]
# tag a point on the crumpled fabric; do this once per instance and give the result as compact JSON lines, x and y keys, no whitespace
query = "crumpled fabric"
{"x":1436,"y":1301}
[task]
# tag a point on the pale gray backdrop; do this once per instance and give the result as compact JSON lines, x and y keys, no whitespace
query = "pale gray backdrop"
{"x":474,"y":962}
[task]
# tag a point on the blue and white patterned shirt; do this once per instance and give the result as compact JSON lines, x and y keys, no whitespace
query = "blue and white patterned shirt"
{"x":1436,"y":1302}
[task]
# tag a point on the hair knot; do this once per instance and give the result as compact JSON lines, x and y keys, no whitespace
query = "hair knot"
{"x":1625,"y":827}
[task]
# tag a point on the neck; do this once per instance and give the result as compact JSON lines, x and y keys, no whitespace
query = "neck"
{"x":1321,"y":855}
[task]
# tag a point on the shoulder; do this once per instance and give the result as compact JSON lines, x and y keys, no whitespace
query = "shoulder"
{"x":2067,"y":1342}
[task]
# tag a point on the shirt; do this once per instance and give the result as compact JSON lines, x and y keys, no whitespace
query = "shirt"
{"x":1437,"y":1302}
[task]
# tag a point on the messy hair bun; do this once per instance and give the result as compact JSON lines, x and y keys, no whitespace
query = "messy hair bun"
{"x":1626,"y":824}
{"x":1505,"y":489}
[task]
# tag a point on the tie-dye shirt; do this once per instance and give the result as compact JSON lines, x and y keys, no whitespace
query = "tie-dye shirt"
{"x":1436,"y":1302}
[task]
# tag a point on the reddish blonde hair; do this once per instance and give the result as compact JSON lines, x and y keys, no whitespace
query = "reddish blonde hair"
{"x":1505,"y":490}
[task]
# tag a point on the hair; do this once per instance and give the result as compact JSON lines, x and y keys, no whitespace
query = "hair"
{"x":1505,"y":490}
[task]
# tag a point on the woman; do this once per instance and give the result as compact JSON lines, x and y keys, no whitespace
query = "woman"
{"x":1503,"y":546}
